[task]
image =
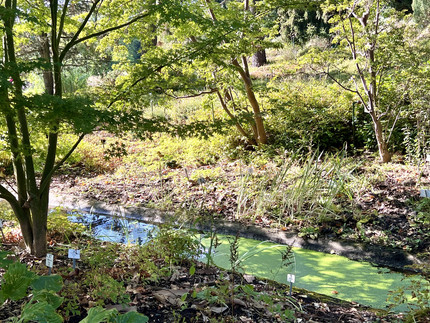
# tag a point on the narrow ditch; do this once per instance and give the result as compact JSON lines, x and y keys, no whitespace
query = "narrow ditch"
{"x":328,"y":274}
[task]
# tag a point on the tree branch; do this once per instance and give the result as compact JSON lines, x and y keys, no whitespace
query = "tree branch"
{"x":53,"y":6}
{"x":44,"y":184}
{"x":172,"y":61}
{"x":191,"y":95}
{"x":361,"y":97}
{"x":8,"y":196}
{"x":62,"y":19}
{"x":71,"y":43}
{"x":233,"y":118}
{"x":75,"y":41}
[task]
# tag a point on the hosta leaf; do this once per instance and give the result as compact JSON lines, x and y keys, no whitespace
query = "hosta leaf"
{"x":41,"y":312}
{"x":99,"y":314}
{"x":52,"y":282}
{"x":131,"y":317}
{"x":16,"y":281}
{"x":49,"y":297}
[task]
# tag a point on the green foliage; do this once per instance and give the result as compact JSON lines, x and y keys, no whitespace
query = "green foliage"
{"x":48,"y":297}
{"x":421,"y":9}
{"x":420,"y":223}
{"x":99,"y":314}
{"x":52,"y":283}
{"x":300,"y":25}
{"x":39,"y":312}
{"x":92,"y":154}
{"x":70,"y":305}
{"x":103,"y":288}
{"x":185,"y":152}
{"x":207,"y":174}
{"x":103,"y":256}
{"x":131,"y":317}
{"x":15,"y":282}
{"x":43,"y":305}
{"x":416,"y":295}
{"x":307,"y":188}
{"x":174,"y":245}
{"x":44,"y":302}
{"x":60,"y":228}
{"x":4,"y":263}
{"x":305,"y":114}
{"x":370,"y":41}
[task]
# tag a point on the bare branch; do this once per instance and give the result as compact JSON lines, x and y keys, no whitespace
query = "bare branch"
{"x":191,"y":95}
{"x":363,"y":102}
{"x":232,"y":117}
{"x":392,"y":128}
{"x":334,"y":80}
{"x":102,"y":32}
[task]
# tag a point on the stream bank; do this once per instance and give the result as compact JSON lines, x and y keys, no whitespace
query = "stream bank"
{"x":377,"y":255}
{"x":328,"y":274}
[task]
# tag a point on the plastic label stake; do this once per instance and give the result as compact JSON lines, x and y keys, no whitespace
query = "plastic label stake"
{"x":74,"y":254}
{"x":1,"y":229}
{"x":291,"y":279}
{"x":424,"y":193}
{"x":49,"y":262}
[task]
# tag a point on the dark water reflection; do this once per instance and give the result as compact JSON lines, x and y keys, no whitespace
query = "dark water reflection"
{"x":114,"y":229}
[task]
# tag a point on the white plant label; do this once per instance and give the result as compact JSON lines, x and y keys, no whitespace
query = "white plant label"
{"x":291,"y":278}
{"x":1,"y":224}
{"x":49,"y":260}
{"x":428,"y":158}
{"x":424,"y":193}
{"x":74,"y":254}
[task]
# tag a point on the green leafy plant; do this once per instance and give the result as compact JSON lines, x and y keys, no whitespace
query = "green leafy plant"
{"x":175,"y":245}
{"x":103,"y":288}
{"x":44,"y":301}
{"x":71,"y":305}
{"x":102,"y":256}
{"x":416,"y":295}
{"x":99,"y":314}
{"x":60,"y":228}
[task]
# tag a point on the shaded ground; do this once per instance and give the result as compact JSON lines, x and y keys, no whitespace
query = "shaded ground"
{"x":208,"y":294}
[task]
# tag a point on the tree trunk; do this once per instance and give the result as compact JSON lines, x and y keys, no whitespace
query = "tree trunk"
{"x":40,"y":216}
{"x":259,"y":58}
{"x":236,"y":122}
{"x":262,"y":135}
{"x":23,"y":216}
{"x":384,"y":153}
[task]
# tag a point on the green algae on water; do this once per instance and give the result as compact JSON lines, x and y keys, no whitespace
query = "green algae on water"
{"x":327,"y":274}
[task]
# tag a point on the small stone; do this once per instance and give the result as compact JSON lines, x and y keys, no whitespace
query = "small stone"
{"x":249,"y":278}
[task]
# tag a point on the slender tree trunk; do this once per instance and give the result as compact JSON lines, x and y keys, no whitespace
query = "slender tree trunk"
{"x":246,"y":78}
{"x":233,"y":118}
{"x":48,"y":78}
{"x":262,"y":135}
{"x":384,"y":153}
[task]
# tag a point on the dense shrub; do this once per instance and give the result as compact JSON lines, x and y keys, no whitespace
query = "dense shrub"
{"x":311,"y":113}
